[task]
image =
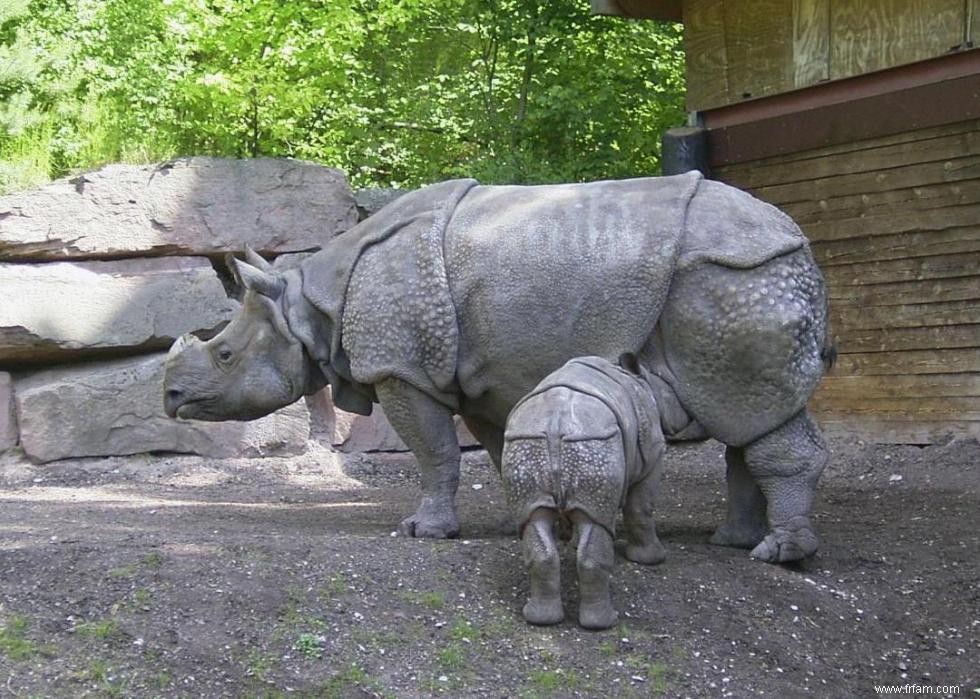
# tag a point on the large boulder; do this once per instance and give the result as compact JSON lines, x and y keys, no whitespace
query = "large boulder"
{"x":67,"y":310}
{"x":8,"y":423}
{"x":115,"y":408}
{"x":189,"y":206}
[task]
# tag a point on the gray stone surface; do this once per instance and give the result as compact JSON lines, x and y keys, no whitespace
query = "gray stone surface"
{"x":189,"y":206}
{"x":65,"y":310}
{"x":115,"y":408}
{"x":350,"y":433}
{"x":372,"y":199}
{"x":8,"y":421}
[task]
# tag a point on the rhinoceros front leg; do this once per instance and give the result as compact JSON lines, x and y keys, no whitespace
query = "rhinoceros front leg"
{"x":745,"y":524}
{"x":427,"y":428}
{"x":786,"y":464}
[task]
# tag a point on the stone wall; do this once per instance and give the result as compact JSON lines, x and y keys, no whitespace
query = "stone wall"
{"x":101,"y":272}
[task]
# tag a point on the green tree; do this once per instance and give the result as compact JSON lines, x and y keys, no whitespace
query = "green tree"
{"x":399,"y":92}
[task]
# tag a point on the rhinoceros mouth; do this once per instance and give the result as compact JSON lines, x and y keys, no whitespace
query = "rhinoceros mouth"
{"x":196,"y":409}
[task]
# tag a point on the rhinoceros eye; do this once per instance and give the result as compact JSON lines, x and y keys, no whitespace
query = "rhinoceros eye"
{"x":224,"y":354}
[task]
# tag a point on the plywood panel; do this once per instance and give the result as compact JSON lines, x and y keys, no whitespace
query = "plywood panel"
{"x":882,"y":248}
{"x":759,"y":45}
{"x":744,"y":171}
{"x":903,"y":386}
{"x":921,"y":198}
{"x":915,"y":291}
{"x":904,"y":429}
{"x":931,"y":361}
{"x":904,"y":220}
{"x":707,"y":60}
{"x":937,"y":172}
{"x":869,"y":35}
{"x":811,"y":42}
{"x":902,"y":339}
{"x":845,"y":318}
{"x":941,"y":146}
{"x":911,"y":269}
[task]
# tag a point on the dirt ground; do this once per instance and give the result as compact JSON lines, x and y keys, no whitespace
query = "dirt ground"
{"x":173,"y":576}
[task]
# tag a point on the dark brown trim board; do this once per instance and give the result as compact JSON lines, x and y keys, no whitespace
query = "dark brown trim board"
{"x":930,"y":93}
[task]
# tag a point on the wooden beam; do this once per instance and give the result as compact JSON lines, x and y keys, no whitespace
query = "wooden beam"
{"x":941,"y":91}
{"x":667,"y":10}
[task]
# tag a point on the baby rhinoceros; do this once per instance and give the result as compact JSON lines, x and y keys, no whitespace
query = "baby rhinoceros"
{"x":584,"y":443}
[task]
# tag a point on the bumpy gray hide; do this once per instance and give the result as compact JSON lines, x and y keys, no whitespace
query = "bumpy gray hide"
{"x":585,"y":443}
{"x":579,"y":440}
{"x":461,"y":298}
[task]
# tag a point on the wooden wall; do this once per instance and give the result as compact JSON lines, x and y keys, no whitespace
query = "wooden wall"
{"x":742,"y":49}
{"x":895,"y":227}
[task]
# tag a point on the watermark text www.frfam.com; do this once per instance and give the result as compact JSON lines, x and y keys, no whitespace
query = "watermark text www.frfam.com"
{"x":940,"y":690}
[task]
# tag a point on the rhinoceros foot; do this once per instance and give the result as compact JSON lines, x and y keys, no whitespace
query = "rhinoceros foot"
{"x":788,"y":542}
{"x":740,"y":537}
{"x":649,"y":554}
{"x":544,"y":611}
{"x":431,"y":521}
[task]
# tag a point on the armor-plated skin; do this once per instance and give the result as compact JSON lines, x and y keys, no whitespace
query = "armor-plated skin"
{"x":586,"y":443}
{"x":459,"y":298}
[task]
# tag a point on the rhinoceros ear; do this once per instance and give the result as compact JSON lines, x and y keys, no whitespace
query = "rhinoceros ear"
{"x":628,"y":361}
{"x":256,"y":260}
{"x":264,"y":282}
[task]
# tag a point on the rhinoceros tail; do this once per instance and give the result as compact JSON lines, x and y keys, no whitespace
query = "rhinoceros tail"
{"x":829,"y":352}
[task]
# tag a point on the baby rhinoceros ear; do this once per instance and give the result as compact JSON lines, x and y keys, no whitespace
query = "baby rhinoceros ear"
{"x":629,"y":362}
{"x":258,"y":277}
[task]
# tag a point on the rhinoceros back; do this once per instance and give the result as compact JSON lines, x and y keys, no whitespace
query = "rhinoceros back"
{"x":545,"y":273}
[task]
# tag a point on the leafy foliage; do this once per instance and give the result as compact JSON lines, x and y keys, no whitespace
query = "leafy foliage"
{"x":401,"y":92}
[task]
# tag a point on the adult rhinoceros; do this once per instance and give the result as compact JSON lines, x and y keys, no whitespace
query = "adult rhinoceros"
{"x":460,"y":298}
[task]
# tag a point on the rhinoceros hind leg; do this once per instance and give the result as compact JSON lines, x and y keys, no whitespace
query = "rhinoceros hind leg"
{"x":544,"y":568}
{"x":428,"y":429}
{"x":786,"y":464}
{"x":595,"y":563}
{"x":745,"y":524}
{"x":489,"y":435}
{"x":642,"y":544}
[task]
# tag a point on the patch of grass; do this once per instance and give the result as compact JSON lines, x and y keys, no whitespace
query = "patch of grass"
{"x":258,"y":665}
{"x":123,"y":572}
{"x":13,"y":642}
{"x":310,"y":645}
{"x":432,"y":600}
{"x":386,"y":640}
{"x":103,"y":630}
{"x":290,"y":614}
{"x":550,"y":682}
{"x":334,"y":587}
{"x":97,"y":673}
{"x":451,"y":657}
{"x":153,"y":560}
{"x":608,"y":648}
{"x":504,"y":626}
{"x":658,"y":675}
{"x":463,"y":630}
{"x":340,"y":685}
{"x":142,"y":597}
{"x":162,"y":680}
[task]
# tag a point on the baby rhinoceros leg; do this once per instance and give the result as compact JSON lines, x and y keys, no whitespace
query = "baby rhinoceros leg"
{"x":642,"y":544}
{"x":595,"y":563}
{"x":544,"y":568}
